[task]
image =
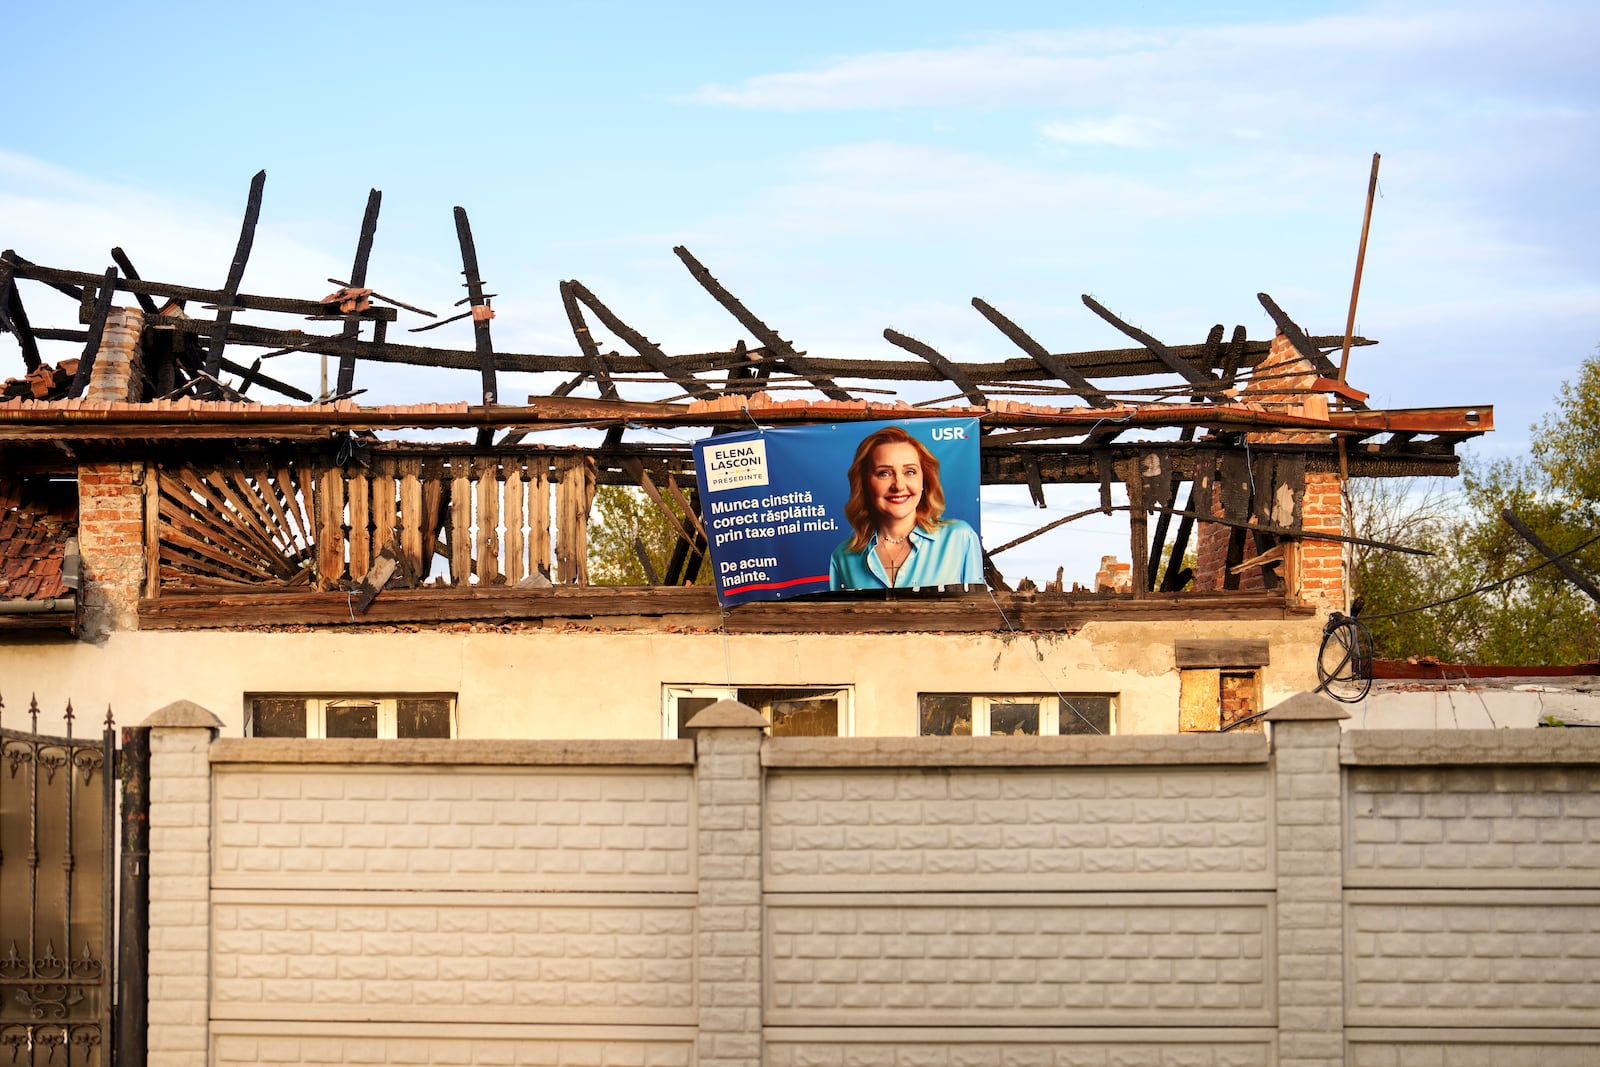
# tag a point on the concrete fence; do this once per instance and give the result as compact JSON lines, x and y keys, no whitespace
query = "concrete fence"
{"x":1387,"y":899}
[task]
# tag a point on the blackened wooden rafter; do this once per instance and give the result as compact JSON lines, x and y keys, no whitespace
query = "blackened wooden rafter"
{"x":1042,"y":356}
{"x":358,"y":280}
{"x":768,"y":337}
{"x":1209,"y":386}
{"x":241,"y":256}
{"x":957,"y":376}
{"x":641,"y":344}
{"x":1302,"y":344}
{"x":97,"y":329}
{"x":599,"y":370}
{"x":120,"y":258}
{"x":475,"y":295}
{"x":15,"y":315}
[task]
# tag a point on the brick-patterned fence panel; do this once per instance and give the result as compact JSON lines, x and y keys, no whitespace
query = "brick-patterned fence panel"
{"x":1473,"y":897}
{"x":1381,"y":899}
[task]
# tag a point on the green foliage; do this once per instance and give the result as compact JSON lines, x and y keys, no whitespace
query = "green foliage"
{"x":620,"y":515}
{"x":1541,"y":618}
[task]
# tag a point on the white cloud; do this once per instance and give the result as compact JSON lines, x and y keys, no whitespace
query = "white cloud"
{"x":1123,"y":131}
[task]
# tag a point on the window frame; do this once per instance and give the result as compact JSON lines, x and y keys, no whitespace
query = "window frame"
{"x":982,"y":709}
{"x":317,"y":705}
{"x":671,"y":694}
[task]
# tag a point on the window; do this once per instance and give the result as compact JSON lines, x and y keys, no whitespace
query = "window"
{"x":793,"y":712}
{"x":1013,"y":715}
{"x":353,"y":715}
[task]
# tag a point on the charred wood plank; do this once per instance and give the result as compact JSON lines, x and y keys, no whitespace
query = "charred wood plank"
{"x":1211,"y":388}
{"x":358,"y":280}
{"x":957,"y":376}
{"x":241,"y":256}
{"x":768,"y":337}
{"x":97,"y":329}
{"x":184,"y":293}
{"x":120,"y":258}
{"x":1575,"y":576}
{"x":1302,"y":344}
{"x":481,"y":313}
{"x":15,"y":314}
{"x":598,"y":369}
{"x":641,"y":344}
{"x":1019,"y":337}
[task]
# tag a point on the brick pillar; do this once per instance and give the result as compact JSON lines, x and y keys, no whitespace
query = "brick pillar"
{"x":180,"y":884}
{"x":728,"y":919}
{"x":1323,"y":574}
{"x":111,"y":543}
{"x":1310,"y":891}
{"x":117,"y":376}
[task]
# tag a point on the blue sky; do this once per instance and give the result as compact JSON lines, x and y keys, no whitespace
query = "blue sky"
{"x":846,"y":167}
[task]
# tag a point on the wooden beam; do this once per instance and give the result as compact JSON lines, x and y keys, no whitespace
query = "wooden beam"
{"x":1210,"y":387}
{"x":598,"y":369}
{"x":241,"y":255}
{"x":1302,"y":344}
{"x":16,"y":315}
{"x":641,"y":344}
{"x":761,"y":331}
{"x":1575,"y":576}
{"x":358,"y":280}
{"x":1019,"y":337}
{"x":97,"y":329}
{"x":957,"y":376}
{"x":120,"y":258}
{"x":481,"y":313}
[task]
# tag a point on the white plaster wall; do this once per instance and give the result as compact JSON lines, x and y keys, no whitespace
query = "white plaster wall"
{"x":588,"y":684}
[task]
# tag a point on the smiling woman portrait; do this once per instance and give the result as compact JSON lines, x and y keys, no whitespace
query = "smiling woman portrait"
{"x":900,"y":539}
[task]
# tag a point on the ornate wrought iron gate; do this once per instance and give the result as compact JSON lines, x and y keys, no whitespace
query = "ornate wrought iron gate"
{"x":57,"y":862}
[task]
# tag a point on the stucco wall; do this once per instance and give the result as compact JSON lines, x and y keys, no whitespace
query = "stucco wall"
{"x":584,"y":684}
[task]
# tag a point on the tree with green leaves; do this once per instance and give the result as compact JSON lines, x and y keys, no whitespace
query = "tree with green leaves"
{"x":623,"y":522}
{"x":1535,"y":618}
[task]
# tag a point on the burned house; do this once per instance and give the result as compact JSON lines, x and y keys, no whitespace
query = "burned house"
{"x":178,"y":523}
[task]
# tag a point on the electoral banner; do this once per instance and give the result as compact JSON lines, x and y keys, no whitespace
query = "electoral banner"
{"x":857,"y":505}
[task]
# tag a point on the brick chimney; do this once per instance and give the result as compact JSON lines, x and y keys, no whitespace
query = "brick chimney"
{"x":118,"y":374}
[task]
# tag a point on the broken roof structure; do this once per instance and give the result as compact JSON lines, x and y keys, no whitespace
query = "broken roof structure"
{"x":1226,"y":455}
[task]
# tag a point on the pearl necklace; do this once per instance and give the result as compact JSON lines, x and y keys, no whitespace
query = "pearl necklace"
{"x":893,"y":540}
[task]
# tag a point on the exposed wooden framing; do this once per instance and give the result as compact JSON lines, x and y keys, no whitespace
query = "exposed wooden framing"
{"x":487,"y":521}
{"x":599,"y":370}
{"x":411,"y":511}
{"x":377,"y":578}
{"x":346,"y":380}
{"x":460,"y":523}
{"x":642,"y":477}
{"x":516,"y":568}
{"x":120,"y":258}
{"x":15,"y":314}
{"x":1138,"y":527}
{"x":1042,"y":356}
{"x":97,"y":328}
{"x":241,"y":255}
{"x":358,"y":495}
{"x":385,"y":489}
{"x":539,"y":550}
{"x":328,"y":498}
{"x":648,"y":350}
{"x":1575,"y":576}
{"x":229,"y":520}
{"x":640,"y":554}
{"x":957,"y":376}
{"x":930,"y":613}
{"x":151,"y":491}
{"x":574,"y":493}
{"x":1054,"y":524}
{"x":768,"y":337}
{"x":1209,"y":386}
{"x":1302,"y":534}
{"x":72,"y":283}
{"x":480,"y":307}
{"x":1302,"y":344}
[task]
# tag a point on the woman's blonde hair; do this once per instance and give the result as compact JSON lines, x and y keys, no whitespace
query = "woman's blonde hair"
{"x":858,"y":511}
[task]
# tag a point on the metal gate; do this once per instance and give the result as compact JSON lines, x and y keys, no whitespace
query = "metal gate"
{"x":57,"y":853}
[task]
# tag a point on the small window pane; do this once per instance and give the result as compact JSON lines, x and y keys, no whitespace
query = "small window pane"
{"x":687,"y":707}
{"x":278,"y":717}
{"x":351,"y":719}
{"x":422,"y":717}
{"x":1013,"y":719}
{"x":1085,"y":714}
{"x":796,"y":712}
{"x":944,"y":715}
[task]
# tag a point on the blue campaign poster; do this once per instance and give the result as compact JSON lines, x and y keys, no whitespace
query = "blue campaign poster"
{"x":855,"y":505}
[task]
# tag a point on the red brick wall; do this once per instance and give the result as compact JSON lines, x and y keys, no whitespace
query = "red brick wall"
{"x":111,"y":541}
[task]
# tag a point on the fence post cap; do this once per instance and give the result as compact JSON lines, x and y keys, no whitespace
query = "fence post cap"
{"x":1307,"y":707}
{"x":183,"y":713}
{"x":727,"y":714}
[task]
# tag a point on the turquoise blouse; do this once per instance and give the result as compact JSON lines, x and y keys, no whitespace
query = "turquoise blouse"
{"x":950,"y":555}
